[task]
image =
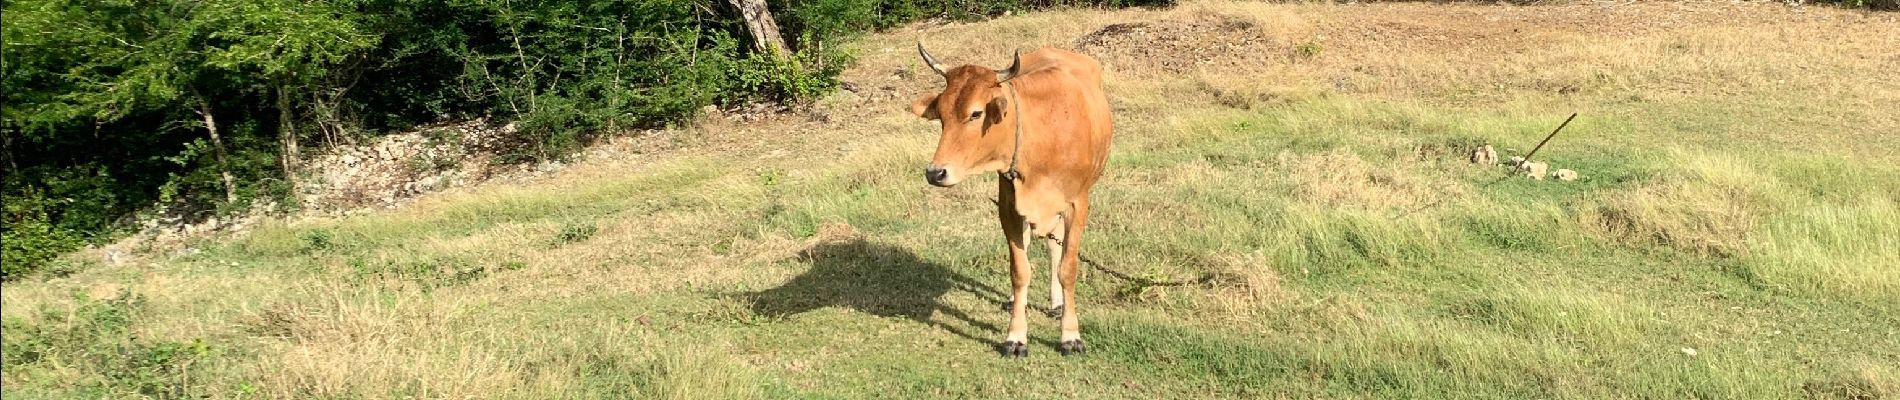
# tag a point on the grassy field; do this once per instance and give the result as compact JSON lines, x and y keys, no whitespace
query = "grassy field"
{"x":1736,"y":233}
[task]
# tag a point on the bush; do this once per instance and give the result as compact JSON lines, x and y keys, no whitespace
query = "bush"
{"x":28,"y":239}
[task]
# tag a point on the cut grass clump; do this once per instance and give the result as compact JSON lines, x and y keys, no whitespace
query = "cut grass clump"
{"x":1706,"y":205}
{"x":1341,"y":179}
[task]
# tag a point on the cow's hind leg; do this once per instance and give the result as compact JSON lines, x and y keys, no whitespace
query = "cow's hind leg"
{"x":1055,"y":279}
{"x":1071,"y":255}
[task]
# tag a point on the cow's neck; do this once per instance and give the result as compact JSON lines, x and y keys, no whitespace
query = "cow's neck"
{"x":1015,"y":173}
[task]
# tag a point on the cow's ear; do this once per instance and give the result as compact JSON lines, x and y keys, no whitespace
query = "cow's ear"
{"x":925,"y":106}
{"x":998,"y":107}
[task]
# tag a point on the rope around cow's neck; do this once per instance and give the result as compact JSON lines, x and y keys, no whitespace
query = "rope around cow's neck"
{"x":1013,"y":174}
{"x":1016,"y":100}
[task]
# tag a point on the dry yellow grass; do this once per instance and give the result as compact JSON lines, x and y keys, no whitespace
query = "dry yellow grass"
{"x":793,"y":258}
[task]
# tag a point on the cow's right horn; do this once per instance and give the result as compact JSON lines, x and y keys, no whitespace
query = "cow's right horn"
{"x":928,"y":60}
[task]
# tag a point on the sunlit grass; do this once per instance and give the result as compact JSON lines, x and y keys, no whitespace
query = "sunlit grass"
{"x":1732,"y":237}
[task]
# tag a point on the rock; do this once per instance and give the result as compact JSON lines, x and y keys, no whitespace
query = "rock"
{"x":1689,"y":351}
{"x":1485,"y":155}
{"x":1564,"y":175}
{"x":1536,"y":170}
{"x":111,"y":255}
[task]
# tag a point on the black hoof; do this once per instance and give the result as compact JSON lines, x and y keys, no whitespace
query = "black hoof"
{"x":1073,"y":347}
{"x":1056,"y":312}
{"x":1014,"y":349}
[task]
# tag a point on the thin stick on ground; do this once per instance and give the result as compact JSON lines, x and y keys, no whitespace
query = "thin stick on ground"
{"x":1515,"y":169}
{"x":1540,"y":145}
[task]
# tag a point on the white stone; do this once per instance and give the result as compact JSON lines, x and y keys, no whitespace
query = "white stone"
{"x":1485,"y":155}
{"x":1536,"y":170}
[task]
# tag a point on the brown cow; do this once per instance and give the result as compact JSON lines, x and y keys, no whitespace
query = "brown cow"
{"x":1043,"y":125}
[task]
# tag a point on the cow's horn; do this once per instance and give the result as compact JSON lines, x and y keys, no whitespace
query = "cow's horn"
{"x":928,"y":60}
{"x":1010,"y":73}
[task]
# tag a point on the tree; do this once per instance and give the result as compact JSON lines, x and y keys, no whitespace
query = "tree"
{"x":764,"y":29}
{"x":287,"y":47}
{"x":122,"y":59}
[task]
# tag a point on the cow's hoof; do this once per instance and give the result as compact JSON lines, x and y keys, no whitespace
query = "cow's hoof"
{"x":1073,"y":347}
{"x":1014,"y":349}
{"x":1055,"y":312}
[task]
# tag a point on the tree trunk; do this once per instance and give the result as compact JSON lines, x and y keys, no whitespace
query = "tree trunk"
{"x":217,"y":148}
{"x":287,"y":138}
{"x":764,"y":30}
{"x":6,"y":147}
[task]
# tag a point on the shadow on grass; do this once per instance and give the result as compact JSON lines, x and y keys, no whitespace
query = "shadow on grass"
{"x":881,"y":280}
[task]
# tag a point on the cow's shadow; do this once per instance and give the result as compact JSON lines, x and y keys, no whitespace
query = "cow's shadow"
{"x":881,"y":280}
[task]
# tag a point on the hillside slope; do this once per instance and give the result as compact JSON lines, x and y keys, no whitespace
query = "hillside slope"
{"x":1304,"y":167}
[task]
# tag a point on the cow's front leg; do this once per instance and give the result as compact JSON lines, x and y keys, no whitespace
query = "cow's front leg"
{"x":1016,"y":233}
{"x":1016,"y":343}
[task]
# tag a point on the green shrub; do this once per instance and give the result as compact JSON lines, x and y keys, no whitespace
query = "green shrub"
{"x":28,"y":240}
{"x":575,"y":233}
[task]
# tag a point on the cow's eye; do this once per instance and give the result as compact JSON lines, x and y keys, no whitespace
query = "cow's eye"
{"x":975,"y":114}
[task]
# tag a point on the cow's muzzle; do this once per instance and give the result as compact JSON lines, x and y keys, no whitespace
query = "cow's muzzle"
{"x":937,"y":176}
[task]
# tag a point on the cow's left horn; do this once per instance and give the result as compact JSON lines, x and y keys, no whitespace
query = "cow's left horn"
{"x":928,"y":60}
{"x":1010,"y":73}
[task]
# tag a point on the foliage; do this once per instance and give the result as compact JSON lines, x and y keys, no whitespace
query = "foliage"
{"x":108,"y":102}
{"x":575,"y":233}
{"x":28,"y":240}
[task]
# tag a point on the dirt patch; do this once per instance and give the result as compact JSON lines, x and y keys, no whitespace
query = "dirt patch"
{"x":1206,"y":41}
{"x":1397,"y":28}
